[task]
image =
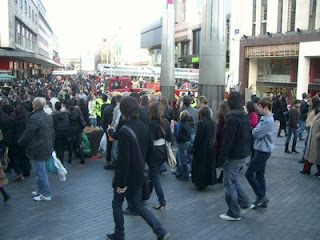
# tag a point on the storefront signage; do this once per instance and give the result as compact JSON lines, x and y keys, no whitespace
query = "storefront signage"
{"x":316,"y":80}
{"x":195,"y":59}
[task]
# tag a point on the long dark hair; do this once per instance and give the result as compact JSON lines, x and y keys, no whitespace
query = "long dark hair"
{"x":250,"y":107}
{"x":316,"y":105}
{"x":205,"y":113}
{"x":21,"y":114}
{"x":156,"y":112}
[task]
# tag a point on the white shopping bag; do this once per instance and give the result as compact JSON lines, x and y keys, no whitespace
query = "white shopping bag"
{"x":62,"y":172}
{"x":103,"y":143}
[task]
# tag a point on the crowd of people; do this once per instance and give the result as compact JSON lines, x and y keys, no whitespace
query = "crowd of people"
{"x":51,"y":114}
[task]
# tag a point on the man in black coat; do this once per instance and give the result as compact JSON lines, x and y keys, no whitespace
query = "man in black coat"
{"x":38,"y":137}
{"x":235,"y":151}
{"x":129,"y":171}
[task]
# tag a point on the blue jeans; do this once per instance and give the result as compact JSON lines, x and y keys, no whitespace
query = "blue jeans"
{"x":302,"y":126}
{"x":154,"y":175}
{"x":255,"y":173}
{"x":39,"y":168}
{"x":183,"y":159}
{"x":134,"y":198}
{"x":290,"y":132}
{"x":234,"y":194}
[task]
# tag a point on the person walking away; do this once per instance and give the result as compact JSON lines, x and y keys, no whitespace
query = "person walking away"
{"x":129,"y":171}
{"x":77,"y":124}
{"x":38,"y":137}
{"x":203,"y":170}
{"x":282,"y":115}
{"x":263,"y":135}
{"x":183,"y":137}
{"x":62,"y":128}
{"x":160,"y":132}
{"x":312,"y":154}
{"x":221,"y":123}
{"x":235,"y":151}
{"x":293,"y":126}
{"x":304,"y":109}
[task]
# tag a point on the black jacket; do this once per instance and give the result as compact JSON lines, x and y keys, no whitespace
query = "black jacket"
{"x":183,"y":131}
{"x":293,"y":118}
{"x":108,"y":115}
{"x":237,"y":136}
{"x":61,"y":123}
{"x":304,"y":109}
{"x":130,"y":168}
{"x":38,"y":137}
{"x":77,"y":122}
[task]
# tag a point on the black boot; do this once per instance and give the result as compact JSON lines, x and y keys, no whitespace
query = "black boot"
{"x":294,"y":147}
{"x":287,"y":148}
{"x":5,"y":195}
{"x":279,"y":131}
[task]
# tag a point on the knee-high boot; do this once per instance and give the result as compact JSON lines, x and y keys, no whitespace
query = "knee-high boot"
{"x":286,"y":150}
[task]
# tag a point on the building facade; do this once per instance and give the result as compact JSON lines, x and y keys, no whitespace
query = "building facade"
{"x":275,"y":47}
{"x":188,"y":18}
{"x":28,"y":45}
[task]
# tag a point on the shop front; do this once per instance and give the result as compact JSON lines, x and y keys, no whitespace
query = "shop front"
{"x":314,"y":81}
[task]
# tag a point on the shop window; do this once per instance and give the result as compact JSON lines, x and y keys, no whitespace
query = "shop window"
{"x":184,"y":48}
{"x":196,"y":41}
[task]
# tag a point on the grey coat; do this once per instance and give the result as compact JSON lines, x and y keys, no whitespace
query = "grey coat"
{"x":312,"y":153}
{"x":38,"y":136}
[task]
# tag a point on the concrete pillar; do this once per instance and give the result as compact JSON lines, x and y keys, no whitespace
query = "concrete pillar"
{"x":213,"y":52}
{"x":167,"y":74}
{"x":303,"y":75}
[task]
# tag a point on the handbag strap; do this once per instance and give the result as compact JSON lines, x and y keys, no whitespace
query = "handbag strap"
{"x":136,"y":140}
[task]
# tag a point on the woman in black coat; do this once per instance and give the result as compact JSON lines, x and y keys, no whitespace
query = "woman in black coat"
{"x":161,"y":132}
{"x":203,"y":164}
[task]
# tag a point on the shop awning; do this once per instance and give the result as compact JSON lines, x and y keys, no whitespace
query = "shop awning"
{"x":4,"y":77}
{"x":29,"y":57}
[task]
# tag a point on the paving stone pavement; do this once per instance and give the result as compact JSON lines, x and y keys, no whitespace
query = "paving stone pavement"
{"x":81,"y":207}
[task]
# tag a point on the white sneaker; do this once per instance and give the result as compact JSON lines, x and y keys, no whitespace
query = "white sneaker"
{"x":228,"y":218}
{"x":35,"y":193}
{"x":42,"y":198}
{"x":244,"y":210}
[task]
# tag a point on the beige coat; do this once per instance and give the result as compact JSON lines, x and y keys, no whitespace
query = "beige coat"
{"x":313,"y":146}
